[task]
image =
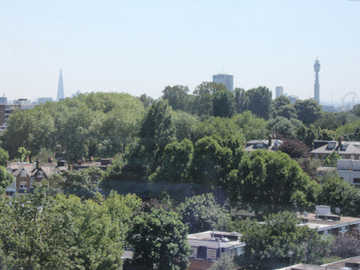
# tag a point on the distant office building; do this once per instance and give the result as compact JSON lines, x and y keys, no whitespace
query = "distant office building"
{"x":22,"y":101}
{"x":3,"y":100}
{"x":76,"y":94}
{"x":60,"y":92}
{"x":44,"y":100}
{"x":293,"y":98}
{"x":225,"y":79}
{"x":317,"y":84}
{"x":279,"y":90}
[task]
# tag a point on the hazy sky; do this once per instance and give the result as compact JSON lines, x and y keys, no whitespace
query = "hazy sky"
{"x":142,"y":46}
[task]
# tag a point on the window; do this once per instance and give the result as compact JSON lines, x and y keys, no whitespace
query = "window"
{"x":23,"y":173}
{"x":356,"y":181}
{"x":23,"y":184}
{"x":211,"y":254}
{"x":40,"y":174}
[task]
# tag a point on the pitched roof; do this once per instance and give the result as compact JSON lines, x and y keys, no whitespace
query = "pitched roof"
{"x":346,"y":147}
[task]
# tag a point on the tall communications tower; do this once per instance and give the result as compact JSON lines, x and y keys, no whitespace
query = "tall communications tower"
{"x":317,"y":84}
{"x":60,"y":92}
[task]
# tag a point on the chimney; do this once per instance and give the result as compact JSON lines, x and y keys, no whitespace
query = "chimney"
{"x":37,"y":163}
{"x":340,"y":141}
{"x":270,"y":141}
{"x":91,"y":159}
{"x":7,"y":164}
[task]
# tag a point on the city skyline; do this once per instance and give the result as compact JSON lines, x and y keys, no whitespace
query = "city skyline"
{"x":141,"y":47}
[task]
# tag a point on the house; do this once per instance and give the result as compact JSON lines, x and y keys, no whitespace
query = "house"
{"x":346,"y":149}
{"x":326,"y":223}
{"x":210,"y":245}
{"x":352,"y":263}
{"x":349,"y":170}
{"x":270,"y":144}
{"x":26,"y":174}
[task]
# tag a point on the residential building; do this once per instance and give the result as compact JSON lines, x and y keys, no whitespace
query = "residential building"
{"x":225,"y":79}
{"x":346,"y":149}
{"x":326,"y":223}
{"x":352,"y":263}
{"x":210,"y":245}
{"x":349,"y":170}
{"x":26,"y":174}
{"x":270,"y":144}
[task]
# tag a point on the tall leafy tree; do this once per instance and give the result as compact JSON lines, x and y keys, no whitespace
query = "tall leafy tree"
{"x":210,"y":159}
{"x":177,"y":96}
{"x":283,"y":107}
{"x":260,"y":101}
{"x":242,"y":100}
{"x":159,"y":241}
{"x":203,"y":102}
{"x":271,"y":182}
{"x":308,"y":111}
{"x":203,"y":213}
{"x":224,"y":104}
{"x":279,"y":241}
{"x":156,"y":132}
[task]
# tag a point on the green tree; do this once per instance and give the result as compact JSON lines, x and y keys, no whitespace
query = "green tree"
{"x":185,"y":125}
{"x":6,"y":179}
{"x":203,"y":213}
{"x":159,"y":241}
{"x":175,"y":162}
{"x":241,"y":99}
{"x":338,"y":193}
{"x":223,"y":263}
{"x":269,"y":182}
{"x":260,"y":101}
{"x":210,"y":161}
{"x":156,"y":132}
{"x":308,"y":111}
{"x":332,"y":159}
{"x":287,"y":128}
{"x":146,"y":100}
{"x":78,"y":183}
{"x":203,"y":102}
{"x":23,"y":153}
{"x":224,"y":104}
{"x":177,"y":96}
{"x":283,"y":107}
{"x":279,"y":241}
{"x":253,"y":127}
{"x":4,"y":156}
{"x":35,"y":235}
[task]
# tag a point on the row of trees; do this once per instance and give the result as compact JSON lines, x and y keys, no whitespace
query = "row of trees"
{"x":105,"y":124}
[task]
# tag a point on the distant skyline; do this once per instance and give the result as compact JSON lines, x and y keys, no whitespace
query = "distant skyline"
{"x":142,"y":46}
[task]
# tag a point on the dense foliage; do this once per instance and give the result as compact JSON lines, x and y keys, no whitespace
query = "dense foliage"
{"x":186,"y":147}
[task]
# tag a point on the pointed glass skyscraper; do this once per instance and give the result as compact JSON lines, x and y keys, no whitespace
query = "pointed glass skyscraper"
{"x":60,"y":92}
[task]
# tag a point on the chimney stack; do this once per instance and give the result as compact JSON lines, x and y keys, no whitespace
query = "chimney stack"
{"x":37,"y":163}
{"x":340,"y":141}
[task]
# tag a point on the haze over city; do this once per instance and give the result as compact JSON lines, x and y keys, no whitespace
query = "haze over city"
{"x":141,"y":46}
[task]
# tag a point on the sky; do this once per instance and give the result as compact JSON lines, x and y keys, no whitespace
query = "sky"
{"x":141,"y":46}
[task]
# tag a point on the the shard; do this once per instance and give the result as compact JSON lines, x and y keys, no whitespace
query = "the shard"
{"x":60,"y":92}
